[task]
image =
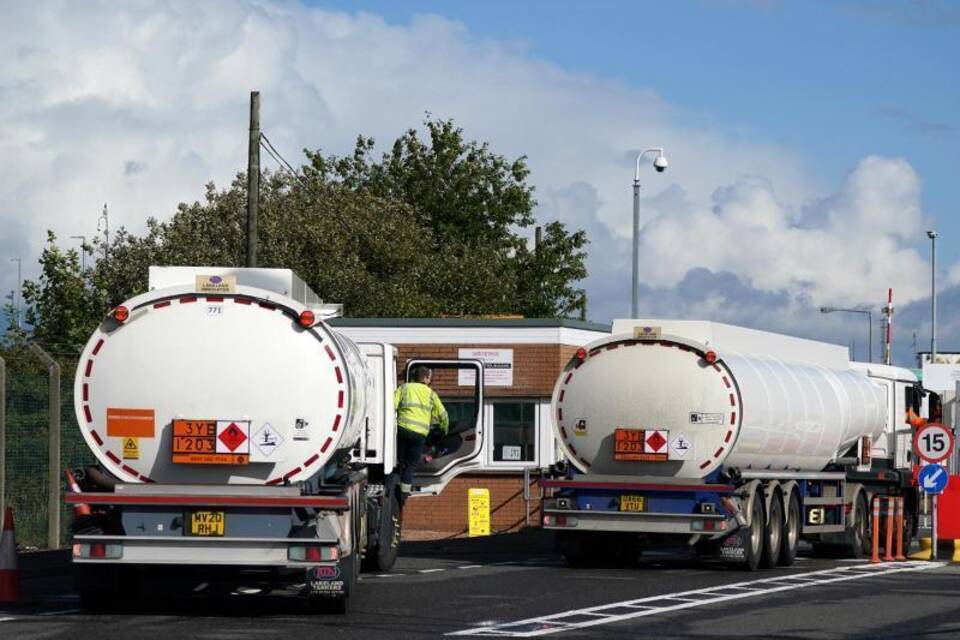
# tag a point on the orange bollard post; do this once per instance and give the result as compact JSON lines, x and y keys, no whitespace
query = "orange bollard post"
{"x":899,"y":503}
{"x":875,"y":557}
{"x":888,"y":548}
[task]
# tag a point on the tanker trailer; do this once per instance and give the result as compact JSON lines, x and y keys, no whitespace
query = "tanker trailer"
{"x":737,"y":442}
{"x":240,"y":441}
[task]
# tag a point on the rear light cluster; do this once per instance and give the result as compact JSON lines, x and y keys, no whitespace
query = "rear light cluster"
{"x":710,"y":357}
{"x":313,"y":553}
{"x":708,"y":525}
{"x":306,"y":319}
{"x":553,"y":520}
{"x":121,"y":313}
{"x":97,"y":551}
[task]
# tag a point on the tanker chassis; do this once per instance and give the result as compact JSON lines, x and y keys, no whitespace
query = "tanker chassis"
{"x":736,"y":442}
{"x":243,"y":444}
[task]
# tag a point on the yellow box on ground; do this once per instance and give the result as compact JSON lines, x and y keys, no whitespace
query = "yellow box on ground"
{"x":478,"y":512}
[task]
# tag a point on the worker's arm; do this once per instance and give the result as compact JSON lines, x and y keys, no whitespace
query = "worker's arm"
{"x":397,"y":396}
{"x":439,"y":414}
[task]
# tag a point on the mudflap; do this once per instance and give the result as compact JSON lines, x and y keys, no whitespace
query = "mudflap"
{"x":329,"y":582}
{"x":731,"y":548}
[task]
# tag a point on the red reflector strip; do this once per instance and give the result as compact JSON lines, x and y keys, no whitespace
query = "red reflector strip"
{"x":563,"y":432}
{"x":292,"y":473}
{"x":340,"y":399}
{"x":733,"y":401}
{"x":86,"y":392}
{"x":161,"y":305}
{"x":729,"y":435}
{"x":96,"y":349}
{"x":88,"y":369}
{"x":326,"y":445}
{"x":336,"y":422}
{"x":567,"y":379}
{"x":274,"y":481}
{"x":704,"y":464}
{"x":733,"y":417}
{"x":242,"y":300}
{"x":86,"y":413}
{"x":330,"y":352}
{"x":96,"y":437}
{"x":311,"y":459}
{"x":113,"y":456}
{"x":339,"y":374}
{"x":214,"y":299}
{"x":188,"y":299}
{"x":130,"y":470}
{"x":573,"y":449}
{"x":726,"y":381}
{"x":562,"y":392}
{"x":265,"y":305}
{"x":716,"y":454}
{"x":559,"y":413}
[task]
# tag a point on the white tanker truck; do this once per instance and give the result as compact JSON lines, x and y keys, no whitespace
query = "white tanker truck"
{"x":241,"y":441}
{"x":737,"y":442}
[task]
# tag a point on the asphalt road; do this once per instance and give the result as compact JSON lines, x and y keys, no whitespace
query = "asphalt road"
{"x":515,"y":586}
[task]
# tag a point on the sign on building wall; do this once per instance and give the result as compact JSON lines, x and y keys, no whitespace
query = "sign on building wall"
{"x":497,"y":367}
{"x":940,"y":377}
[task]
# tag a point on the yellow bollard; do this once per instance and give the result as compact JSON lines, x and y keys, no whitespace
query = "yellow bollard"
{"x":956,"y":551}
{"x":926,"y":550}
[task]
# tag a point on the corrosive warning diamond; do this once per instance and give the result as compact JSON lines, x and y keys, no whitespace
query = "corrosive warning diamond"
{"x":655,"y":442}
{"x":232,"y":437}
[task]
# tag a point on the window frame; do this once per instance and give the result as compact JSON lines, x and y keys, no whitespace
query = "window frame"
{"x":491,"y":463}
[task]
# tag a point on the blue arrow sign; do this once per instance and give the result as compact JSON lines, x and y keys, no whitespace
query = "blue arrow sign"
{"x":933,"y":478}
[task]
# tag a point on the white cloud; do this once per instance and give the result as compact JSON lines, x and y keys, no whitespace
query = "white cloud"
{"x":139,"y":105}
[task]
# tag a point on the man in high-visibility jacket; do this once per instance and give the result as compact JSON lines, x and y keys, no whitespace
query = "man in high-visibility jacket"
{"x":418,"y":407}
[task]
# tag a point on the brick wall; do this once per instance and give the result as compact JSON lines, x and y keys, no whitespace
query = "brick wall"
{"x":535,"y":367}
{"x":447,"y":513}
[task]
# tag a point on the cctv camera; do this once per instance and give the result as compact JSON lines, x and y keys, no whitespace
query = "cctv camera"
{"x":660,"y":164}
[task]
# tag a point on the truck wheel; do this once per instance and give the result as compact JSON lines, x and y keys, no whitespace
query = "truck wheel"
{"x":772,"y":533}
{"x":791,"y":532}
{"x":856,"y":539}
{"x":753,"y":545}
{"x":576,"y":549}
{"x":383,"y":555}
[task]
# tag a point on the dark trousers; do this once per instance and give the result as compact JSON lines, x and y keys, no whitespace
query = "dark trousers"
{"x":409,"y":452}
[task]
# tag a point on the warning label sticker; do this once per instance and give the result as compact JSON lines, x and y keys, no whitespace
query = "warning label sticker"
{"x":131,"y":448}
{"x":267,"y":440}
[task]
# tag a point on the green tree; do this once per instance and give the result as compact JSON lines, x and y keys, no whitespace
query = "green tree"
{"x":434,"y":227}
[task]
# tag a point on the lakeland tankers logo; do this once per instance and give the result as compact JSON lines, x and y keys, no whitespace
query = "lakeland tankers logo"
{"x":216,"y":284}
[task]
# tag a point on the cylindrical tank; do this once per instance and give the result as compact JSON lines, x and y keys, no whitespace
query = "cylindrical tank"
{"x":676,"y":412}
{"x":218,"y":389}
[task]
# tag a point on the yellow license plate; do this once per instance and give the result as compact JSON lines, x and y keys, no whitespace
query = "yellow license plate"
{"x":633,"y":503}
{"x":207,"y":523}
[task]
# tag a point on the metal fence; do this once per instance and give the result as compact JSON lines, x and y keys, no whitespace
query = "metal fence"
{"x":38,"y":445}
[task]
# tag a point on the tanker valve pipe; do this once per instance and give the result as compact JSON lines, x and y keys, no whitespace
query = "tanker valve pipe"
{"x":734,"y":509}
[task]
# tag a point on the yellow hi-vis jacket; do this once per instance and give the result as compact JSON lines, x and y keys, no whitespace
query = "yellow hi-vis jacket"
{"x":418,"y":406}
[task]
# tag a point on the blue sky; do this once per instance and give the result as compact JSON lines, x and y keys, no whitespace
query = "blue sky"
{"x":833,"y":80}
{"x":811,"y":143}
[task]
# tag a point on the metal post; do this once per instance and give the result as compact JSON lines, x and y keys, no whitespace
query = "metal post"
{"x":253,"y":178}
{"x":3,"y":434}
{"x":19,"y":297}
{"x":83,"y":251}
{"x":635,"y":296}
{"x":933,"y":530}
{"x":933,"y":295}
{"x":53,"y":447}
{"x":870,"y":348}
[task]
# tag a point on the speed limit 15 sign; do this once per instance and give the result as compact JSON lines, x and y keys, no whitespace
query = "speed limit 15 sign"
{"x":933,"y":442}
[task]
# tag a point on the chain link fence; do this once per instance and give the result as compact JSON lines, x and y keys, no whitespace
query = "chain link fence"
{"x":27,"y":473}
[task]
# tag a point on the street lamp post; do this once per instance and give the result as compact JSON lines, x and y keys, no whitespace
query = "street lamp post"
{"x":933,"y":295}
{"x":660,"y":164}
{"x":869,"y":315}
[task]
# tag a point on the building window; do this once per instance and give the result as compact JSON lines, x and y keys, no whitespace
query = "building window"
{"x":515,"y":431}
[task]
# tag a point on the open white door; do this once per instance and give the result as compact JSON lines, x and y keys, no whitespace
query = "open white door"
{"x":459,"y":383}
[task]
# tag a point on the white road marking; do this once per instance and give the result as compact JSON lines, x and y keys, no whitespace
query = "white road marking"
{"x":430,"y":570}
{"x":62,"y":612}
{"x":6,"y":619}
{"x":471,"y":566}
{"x":555,"y":623}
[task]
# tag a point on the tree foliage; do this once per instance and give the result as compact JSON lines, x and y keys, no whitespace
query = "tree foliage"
{"x":434,"y":227}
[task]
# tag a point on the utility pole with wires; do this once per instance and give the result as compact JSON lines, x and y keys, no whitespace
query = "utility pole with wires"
{"x":253,"y":179}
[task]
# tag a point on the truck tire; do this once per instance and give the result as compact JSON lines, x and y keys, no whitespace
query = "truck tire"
{"x":772,"y":533}
{"x":754,"y":539}
{"x":576,"y":549}
{"x":791,"y":532}
{"x":382,"y":555}
{"x":857,"y":538}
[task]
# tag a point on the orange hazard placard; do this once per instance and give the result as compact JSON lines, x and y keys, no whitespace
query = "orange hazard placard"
{"x":130,"y":423}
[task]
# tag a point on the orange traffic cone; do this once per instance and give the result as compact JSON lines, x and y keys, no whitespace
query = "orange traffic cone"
{"x":9,"y":573}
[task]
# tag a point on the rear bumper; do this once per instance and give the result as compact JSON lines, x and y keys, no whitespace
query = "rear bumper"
{"x":625,"y":522}
{"x":170,"y":550}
